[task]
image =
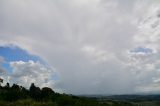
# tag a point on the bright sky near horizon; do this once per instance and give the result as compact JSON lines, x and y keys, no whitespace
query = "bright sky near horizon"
{"x":81,"y":46}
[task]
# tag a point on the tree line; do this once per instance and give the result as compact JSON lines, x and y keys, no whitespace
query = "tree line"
{"x":16,"y":93}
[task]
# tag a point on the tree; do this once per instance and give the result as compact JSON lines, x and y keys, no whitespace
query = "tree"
{"x":12,"y":93}
{"x":47,"y":93}
{"x":1,"y":81}
{"x":35,"y":92}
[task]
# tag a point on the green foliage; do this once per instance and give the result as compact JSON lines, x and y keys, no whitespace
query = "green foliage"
{"x":16,"y":95}
{"x":35,"y":92}
{"x":47,"y":93}
{"x":27,"y":102}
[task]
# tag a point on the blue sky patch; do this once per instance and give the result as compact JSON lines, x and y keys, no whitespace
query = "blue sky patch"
{"x":142,"y":50}
{"x":16,"y":54}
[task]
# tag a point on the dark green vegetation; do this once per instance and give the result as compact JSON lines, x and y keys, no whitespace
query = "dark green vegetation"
{"x":130,"y":100}
{"x":16,"y":95}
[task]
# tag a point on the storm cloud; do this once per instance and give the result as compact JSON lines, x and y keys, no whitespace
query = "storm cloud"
{"x":90,"y":43}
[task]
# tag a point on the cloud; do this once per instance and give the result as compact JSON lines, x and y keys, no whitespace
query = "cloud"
{"x":25,"y":73}
{"x":1,"y":60}
{"x":87,"y":41}
{"x":3,"y":71}
{"x":147,"y":65}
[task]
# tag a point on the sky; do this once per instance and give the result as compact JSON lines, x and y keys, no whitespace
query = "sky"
{"x":81,"y":46}
{"x":15,"y":54}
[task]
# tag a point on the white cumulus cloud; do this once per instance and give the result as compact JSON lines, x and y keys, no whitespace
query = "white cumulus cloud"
{"x":25,"y":73}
